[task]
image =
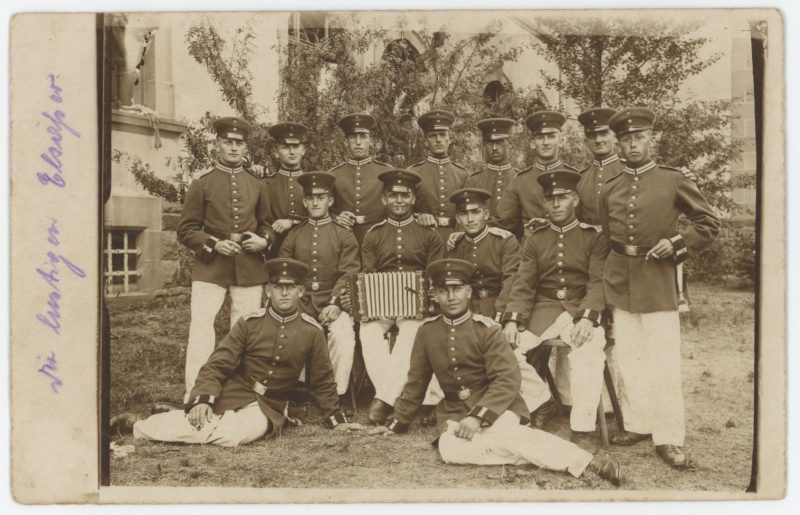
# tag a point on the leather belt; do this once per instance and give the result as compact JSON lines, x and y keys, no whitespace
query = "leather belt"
{"x":443,"y":221}
{"x":319,"y":285}
{"x":562,"y":293}
{"x":235,"y":237}
{"x":462,"y":394}
{"x":281,"y":394}
{"x":629,"y":250}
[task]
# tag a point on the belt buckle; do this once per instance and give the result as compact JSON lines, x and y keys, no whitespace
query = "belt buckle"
{"x":236,"y":237}
{"x":483,"y":293}
{"x":259,"y":388}
{"x":360,"y":219}
{"x":464,"y":394}
{"x":561,"y":294}
{"x":315,"y":286}
{"x":630,"y":250}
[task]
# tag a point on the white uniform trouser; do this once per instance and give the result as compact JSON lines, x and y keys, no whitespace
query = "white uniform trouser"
{"x":649,"y":361}
{"x":533,"y":390}
{"x":341,"y":346}
{"x":230,"y":429}
{"x":584,"y":366}
{"x":388,"y":371}
{"x":507,"y":442}
{"x":207,"y":299}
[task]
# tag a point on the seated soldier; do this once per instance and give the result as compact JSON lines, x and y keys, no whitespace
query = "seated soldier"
{"x":331,"y":251}
{"x":241,"y":392}
{"x":479,"y":417}
{"x":495,"y":253}
{"x":558,"y":293}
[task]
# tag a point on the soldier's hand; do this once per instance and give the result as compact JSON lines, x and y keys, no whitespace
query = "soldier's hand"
{"x":258,"y":170}
{"x":426,"y":220}
{"x":581,"y":332}
{"x":512,"y":334}
{"x":380,"y":430}
{"x":254,"y":243}
{"x":661,"y":250}
{"x":346,"y":218}
{"x":468,"y":427}
{"x":282,"y":225}
{"x":329,"y":314}
{"x":350,"y":426}
{"x":344,"y":300}
{"x":199,"y":415}
{"x":227,"y":247}
{"x":688,"y":174}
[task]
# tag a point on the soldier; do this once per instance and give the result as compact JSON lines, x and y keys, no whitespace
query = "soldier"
{"x":241,"y":392}
{"x":398,"y":243}
{"x":495,"y":253}
{"x":440,"y":176}
{"x":479,"y":417}
{"x":498,"y":172}
{"x":524,"y":200}
{"x":225,"y":222}
{"x":605,"y":161}
{"x":332,"y":253}
{"x":639,"y":208}
{"x":558,"y":293}
{"x":357,"y":189}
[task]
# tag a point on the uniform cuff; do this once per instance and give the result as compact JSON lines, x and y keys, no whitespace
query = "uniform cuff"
{"x":679,"y":245}
{"x":520,"y":318}
{"x":200,"y":399}
{"x":594,"y":316}
{"x":498,"y":316}
{"x":335,"y":420}
{"x":396,"y":426}
{"x":484,"y":414}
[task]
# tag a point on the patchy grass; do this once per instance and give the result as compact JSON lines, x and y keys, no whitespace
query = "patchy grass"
{"x":148,"y":349}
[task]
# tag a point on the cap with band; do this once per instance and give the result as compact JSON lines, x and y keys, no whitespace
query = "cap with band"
{"x":470,"y":198}
{"x":596,"y":119}
{"x":496,"y":129}
{"x":545,"y":122}
{"x":438,"y":120}
{"x":558,"y":182}
{"x":315,"y":183}
{"x":399,"y":180}
{"x":357,"y":123}
{"x":450,"y":271}
{"x":288,"y":133}
{"x":232,"y":127}
{"x":285,"y":271}
{"x":632,"y":119}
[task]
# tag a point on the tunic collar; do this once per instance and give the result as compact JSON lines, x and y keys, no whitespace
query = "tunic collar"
{"x":479,"y":237}
{"x":607,"y":161}
{"x":321,"y":221}
{"x":400,"y":223}
{"x":293,"y":174}
{"x":456,"y":321}
{"x":547,"y":168}
{"x":282,"y":319}
{"x":439,"y":161}
{"x":499,"y":168}
{"x":639,"y":171}
{"x":561,"y":230}
{"x":229,"y":169}
{"x":364,"y":161}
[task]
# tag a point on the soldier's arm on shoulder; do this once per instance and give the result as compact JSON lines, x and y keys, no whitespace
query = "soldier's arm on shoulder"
{"x":319,"y":373}
{"x":523,"y":287}
{"x":263,"y":214}
{"x":509,"y":264}
{"x":502,"y":372}
{"x":453,"y":240}
{"x":420,"y":372}
{"x":704,"y":224}
{"x":349,"y":262}
{"x":222,"y":362}
{"x":594,"y":302}
{"x":190,"y":227}
{"x":287,"y":248}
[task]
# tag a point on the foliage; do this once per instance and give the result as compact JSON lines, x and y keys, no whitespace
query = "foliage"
{"x":731,"y":259}
{"x":144,"y":175}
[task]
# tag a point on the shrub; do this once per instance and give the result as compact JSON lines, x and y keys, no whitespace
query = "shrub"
{"x":730,"y":259}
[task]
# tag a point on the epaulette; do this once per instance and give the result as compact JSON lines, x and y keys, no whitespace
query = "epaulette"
{"x":536,"y":224}
{"x":620,"y":172}
{"x":381,"y":163}
{"x":498,"y":231}
{"x":483,"y":319}
{"x":432,"y":318}
{"x":590,"y":226}
{"x":206,"y":172}
{"x":338,"y":166}
{"x":476,"y":172}
{"x":256,"y":314}
{"x":460,"y":166}
{"x":671,"y":168}
{"x":520,"y":172}
{"x":375,"y":226}
{"x":308,"y":318}
{"x":452,"y":240}
{"x":419,"y":164}
{"x":586,"y":169}
{"x":570,"y":167}
{"x":335,"y":221}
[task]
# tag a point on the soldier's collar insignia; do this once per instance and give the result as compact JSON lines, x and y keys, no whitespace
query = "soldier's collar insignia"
{"x":547,"y":168}
{"x":500,"y":168}
{"x":293,"y":174}
{"x":321,"y":221}
{"x":642,"y":169}
{"x":401,"y":223}
{"x":439,"y":161}
{"x":460,"y":320}
{"x":364,"y":161}
{"x":281,"y":318}
{"x":479,"y":237}
{"x":606,"y":161}
{"x":228,"y":169}
{"x":573,"y":224}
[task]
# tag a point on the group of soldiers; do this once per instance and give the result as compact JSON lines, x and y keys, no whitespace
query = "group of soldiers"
{"x":513,"y":258}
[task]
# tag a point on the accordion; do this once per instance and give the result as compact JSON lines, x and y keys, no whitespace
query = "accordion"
{"x":388,"y":295}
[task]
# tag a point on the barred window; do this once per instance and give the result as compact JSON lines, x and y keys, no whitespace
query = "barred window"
{"x":120,"y":261}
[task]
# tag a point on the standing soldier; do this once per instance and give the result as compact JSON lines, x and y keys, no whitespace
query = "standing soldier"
{"x":605,"y":161}
{"x":357,"y":190}
{"x":225,"y":222}
{"x":440,"y":176}
{"x":331,"y":252}
{"x":498,"y":173}
{"x":524,"y":200}
{"x":558,"y":293}
{"x":639,"y":209}
{"x":398,"y":243}
{"x":495,"y":253}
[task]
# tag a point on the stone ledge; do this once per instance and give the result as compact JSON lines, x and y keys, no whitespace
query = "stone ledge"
{"x":140,"y":124}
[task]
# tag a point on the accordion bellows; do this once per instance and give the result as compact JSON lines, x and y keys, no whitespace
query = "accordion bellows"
{"x":380,"y":295}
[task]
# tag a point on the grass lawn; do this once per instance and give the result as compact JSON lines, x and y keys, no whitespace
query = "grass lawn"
{"x":147,"y":352}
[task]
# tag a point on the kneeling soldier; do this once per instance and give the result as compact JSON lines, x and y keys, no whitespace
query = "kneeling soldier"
{"x":241,"y":392}
{"x":558,"y":293}
{"x":479,"y":418}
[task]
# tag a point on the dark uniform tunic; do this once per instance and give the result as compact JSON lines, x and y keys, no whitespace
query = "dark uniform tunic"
{"x":639,"y":207}
{"x":494,"y":179}
{"x":219,"y":203}
{"x":524,"y":198}
{"x":400,"y":246}
{"x":261,"y":359}
{"x":357,"y":189}
{"x":440,"y":178}
{"x":331,"y":253}
{"x":475,"y":366}
{"x":592,"y":179}
{"x":568,"y":259}
{"x":495,"y":252}
{"x":285,"y":195}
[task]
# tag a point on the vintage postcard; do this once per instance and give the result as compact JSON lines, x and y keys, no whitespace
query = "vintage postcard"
{"x":398,"y":256}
